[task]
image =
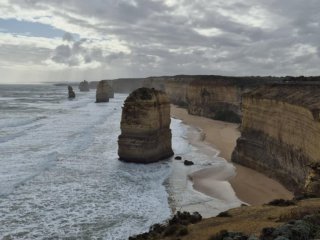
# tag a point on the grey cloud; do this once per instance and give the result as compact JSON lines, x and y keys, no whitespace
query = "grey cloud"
{"x":162,"y":39}
{"x":68,"y":37}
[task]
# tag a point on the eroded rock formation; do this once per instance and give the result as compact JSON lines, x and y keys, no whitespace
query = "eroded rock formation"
{"x":145,"y":127}
{"x":71,"y":93}
{"x":84,"y":86}
{"x":104,"y":92}
{"x":280,"y":134}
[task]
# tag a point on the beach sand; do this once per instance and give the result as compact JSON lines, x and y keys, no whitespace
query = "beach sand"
{"x":249,"y":185}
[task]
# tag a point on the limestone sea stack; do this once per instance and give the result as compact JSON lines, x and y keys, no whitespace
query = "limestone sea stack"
{"x":71,"y":93}
{"x":104,"y":92}
{"x":84,"y":86}
{"x":145,"y":127}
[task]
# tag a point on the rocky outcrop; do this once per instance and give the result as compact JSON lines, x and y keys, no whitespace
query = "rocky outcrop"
{"x":145,"y":127}
{"x":104,"y":92}
{"x":280,"y":133}
{"x":268,"y":222}
{"x":71,"y":93}
{"x":84,"y":86}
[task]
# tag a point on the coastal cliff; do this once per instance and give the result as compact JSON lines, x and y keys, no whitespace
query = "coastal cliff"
{"x":214,"y":98}
{"x":177,"y":88}
{"x":211,"y":96}
{"x":145,"y":127}
{"x":280,"y":133}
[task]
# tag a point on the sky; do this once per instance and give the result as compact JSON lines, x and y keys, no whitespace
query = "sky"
{"x":72,"y":40}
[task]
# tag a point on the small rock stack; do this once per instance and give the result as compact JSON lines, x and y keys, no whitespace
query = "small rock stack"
{"x":71,"y":93}
{"x":84,"y":86}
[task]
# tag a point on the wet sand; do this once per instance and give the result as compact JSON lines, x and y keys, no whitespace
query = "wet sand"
{"x":249,"y":185}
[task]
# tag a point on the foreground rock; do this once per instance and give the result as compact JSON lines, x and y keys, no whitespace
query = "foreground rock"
{"x":84,"y":86}
{"x":145,"y":133}
{"x":104,"y":92}
{"x":292,"y":222}
{"x":280,"y":134}
{"x":175,"y":227}
{"x":71,"y":93}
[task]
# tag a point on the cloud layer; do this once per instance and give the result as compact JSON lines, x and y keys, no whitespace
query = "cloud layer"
{"x":133,"y":38}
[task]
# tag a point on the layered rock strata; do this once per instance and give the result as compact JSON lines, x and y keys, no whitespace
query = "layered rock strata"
{"x":104,"y":92}
{"x":84,"y":86}
{"x":145,"y":127}
{"x":71,"y":93}
{"x":216,"y":97}
{"x":280,"y":134}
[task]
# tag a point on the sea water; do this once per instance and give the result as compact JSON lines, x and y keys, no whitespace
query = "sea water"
{"x":60,"y":177}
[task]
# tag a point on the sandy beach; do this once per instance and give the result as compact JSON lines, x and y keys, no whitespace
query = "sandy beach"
{"x":249,"y":185}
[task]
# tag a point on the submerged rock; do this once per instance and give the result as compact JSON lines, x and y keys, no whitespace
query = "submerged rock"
{"x":84,"y":86}
{"x":104,"y":92}
{"x":71,"y":93}
{"x":145,"y":133}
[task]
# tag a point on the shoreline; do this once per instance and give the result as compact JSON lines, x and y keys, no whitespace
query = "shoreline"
{"x":250,"y":186}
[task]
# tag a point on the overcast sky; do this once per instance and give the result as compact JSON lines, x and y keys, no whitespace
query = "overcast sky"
{"x":71,"y":40}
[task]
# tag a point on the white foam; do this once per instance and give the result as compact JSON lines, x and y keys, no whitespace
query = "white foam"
{"x":63,"y":178}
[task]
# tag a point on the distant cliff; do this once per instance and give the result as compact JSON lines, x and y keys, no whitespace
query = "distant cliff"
{"x":212,"y":96}
{"x":280,"y":132}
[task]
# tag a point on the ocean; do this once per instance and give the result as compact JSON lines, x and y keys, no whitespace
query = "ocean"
{"x":60,"y":177}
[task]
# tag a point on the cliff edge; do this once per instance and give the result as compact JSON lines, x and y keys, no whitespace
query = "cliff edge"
{"x":145,"y":127}
{"x":280,"y":134}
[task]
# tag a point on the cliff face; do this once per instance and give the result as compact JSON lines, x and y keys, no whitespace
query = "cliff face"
{"x":214,"y":99}
{"x":280,"y":133}
{"x":145,"y":127}
{"x":104,"y":92}
{"x":211,"y":96}
{"x":177,"y":88}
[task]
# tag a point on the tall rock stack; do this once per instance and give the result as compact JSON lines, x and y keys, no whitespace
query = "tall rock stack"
{"x":84,"y":86}
{"x":71,"y":93}
{"x":145,"y":127}
{"x":104,"y":92}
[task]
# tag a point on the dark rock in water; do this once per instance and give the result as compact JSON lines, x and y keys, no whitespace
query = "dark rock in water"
{"x":145,"y":127}
{"x":84,"y":86}
{"x":104,"y":92}
{"x":71,"y":93}
{"x":188,"y":163}
{"x":178,"y":158}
